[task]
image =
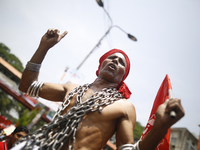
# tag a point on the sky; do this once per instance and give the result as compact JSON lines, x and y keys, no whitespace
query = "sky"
{"x":168,"y":43}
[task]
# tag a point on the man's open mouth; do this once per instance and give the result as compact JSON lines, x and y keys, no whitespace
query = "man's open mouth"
{"x":112,"y":66}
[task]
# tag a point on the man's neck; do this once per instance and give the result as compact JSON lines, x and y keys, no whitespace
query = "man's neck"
{"x":9,"y":145}
{"x":100,"y":84}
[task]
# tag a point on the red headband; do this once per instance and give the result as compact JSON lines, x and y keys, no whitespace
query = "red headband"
{"x":122,"y":87}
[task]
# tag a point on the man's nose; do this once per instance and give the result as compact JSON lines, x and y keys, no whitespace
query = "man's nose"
{"x":116,"y":61}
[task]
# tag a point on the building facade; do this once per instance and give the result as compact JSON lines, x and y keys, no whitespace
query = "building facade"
{"x":182,"y":139}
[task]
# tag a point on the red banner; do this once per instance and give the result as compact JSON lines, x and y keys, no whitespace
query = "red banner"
{"x":162,"y":96}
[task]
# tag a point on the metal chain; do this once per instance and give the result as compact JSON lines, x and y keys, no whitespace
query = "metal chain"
{"x":63,"y":127}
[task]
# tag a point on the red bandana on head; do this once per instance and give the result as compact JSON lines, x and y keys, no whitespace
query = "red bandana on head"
{"x":122,"y":87}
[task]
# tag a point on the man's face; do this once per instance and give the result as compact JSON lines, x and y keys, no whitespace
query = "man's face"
{"x":113,"y":68}
{"x":15,"y":137}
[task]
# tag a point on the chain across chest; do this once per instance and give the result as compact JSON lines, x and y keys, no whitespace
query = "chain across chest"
{"x":64,"y":126}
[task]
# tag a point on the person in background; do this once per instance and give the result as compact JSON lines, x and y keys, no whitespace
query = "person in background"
{"x":17,"y":134}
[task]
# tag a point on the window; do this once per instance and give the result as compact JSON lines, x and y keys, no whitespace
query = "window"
{"x":173,"y":140}
{"x":186,"y":146}
{"x":193,"y":144}
{"x":192,"y":148}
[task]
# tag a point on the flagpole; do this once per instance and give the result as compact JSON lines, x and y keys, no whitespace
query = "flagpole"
{"x":172,"y":113}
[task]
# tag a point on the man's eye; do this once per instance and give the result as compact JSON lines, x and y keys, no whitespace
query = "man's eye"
{"x":111,"y":57}
{"x":122,"y":62}
{"x":18,"y":135}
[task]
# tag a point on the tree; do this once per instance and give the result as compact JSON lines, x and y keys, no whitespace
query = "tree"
{"x":138,"y":130}
{"x":10,"y":58}
{"x":27,"y":117}
{"x":7,"y":104}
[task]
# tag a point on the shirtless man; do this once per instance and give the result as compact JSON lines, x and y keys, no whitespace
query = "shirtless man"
{"x":96,"y":128}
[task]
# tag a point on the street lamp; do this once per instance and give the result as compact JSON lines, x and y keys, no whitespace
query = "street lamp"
{"x":100,"y":3}
{"x":128,"y":34}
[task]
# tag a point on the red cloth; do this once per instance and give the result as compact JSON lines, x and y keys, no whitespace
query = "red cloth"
{"x":122,"y":87}
{"x":161,"y":97}
{"x":3,"y":146}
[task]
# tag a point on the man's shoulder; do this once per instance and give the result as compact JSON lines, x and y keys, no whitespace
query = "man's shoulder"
{"x":126,"y":105}
{"x":126,"y":102}
{"x":127,"y":109}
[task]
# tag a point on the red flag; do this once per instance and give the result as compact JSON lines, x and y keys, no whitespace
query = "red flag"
{"x":162,"y":96}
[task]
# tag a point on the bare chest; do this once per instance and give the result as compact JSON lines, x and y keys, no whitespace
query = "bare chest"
{"x":95,"y":122}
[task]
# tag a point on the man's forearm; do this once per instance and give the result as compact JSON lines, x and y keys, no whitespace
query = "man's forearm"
{"x":152,"y":139}
{"x":30,"y":75}
{"x":39,"y":55}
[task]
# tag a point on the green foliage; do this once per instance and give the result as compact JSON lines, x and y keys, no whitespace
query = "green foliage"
{"x":39,"y":124}
{"x":138,"y":130}
{"x":10,"y":58}
{"x":8,"y":103}
{"x":27,"y":117}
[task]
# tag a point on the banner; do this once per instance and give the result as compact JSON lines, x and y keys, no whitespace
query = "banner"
{"x":162,"y":96}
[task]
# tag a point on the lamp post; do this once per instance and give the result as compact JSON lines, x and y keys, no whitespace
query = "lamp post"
{"x":100,"y":3}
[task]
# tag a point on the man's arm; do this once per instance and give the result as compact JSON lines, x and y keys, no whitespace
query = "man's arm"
{"x":48,"y":91}
{"x":126,"y":124}
{"x":162,"y":123}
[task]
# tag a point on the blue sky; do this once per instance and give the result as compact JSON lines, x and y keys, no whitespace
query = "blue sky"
{"x":168,"y":43}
